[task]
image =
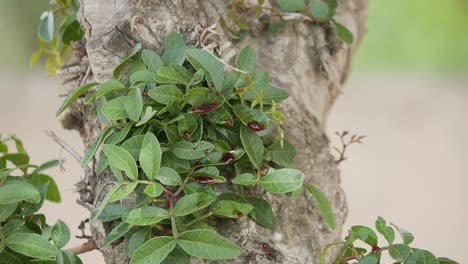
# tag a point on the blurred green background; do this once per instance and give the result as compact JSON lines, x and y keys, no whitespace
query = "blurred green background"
{"x":416,"y":35}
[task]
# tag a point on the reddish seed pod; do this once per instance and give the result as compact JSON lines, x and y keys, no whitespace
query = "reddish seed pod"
{"x":264,"y":246}
{"x":204,"y":109}
{"x":256,"y":126}
{"x":239,"y":214}
{"x":375,"y":249}
{"x":228,"y":157}
{"x":187,"y":134}
{"x":204,"y":180}
{"x":207,"y":151}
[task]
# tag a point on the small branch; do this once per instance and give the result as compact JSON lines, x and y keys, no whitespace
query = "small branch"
{"x":345,"y":145}
{"x":85,"y":205}
{"x":66,"y":147}
{"x":90,"y":245}
{"x":86,"y":76}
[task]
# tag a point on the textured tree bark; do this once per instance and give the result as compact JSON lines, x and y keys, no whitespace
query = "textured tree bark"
{"x":306,"y":60}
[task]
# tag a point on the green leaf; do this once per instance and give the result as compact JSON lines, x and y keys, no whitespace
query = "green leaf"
{"x":136,"y":240}
{"x":342,"y":32}
{"x":202,"y":59}
{"x":121,"y":159}
{"x":17,"y":191}
{"x":133,"y":145}
{"x":147,"y":115}
{"x":446,"y":261}
{"x":319,"y":10}
{"x":231,"y":209}
{"x":152,"y":60}
{"x":133,"y":104}
{"x":150,"y":156}
{"x":406,"y":236}
{"x":399,"y":252}
{"x":369,"y":259}
{"x":18,"y":159}
{"x":365,"y":234}
{"x":146,"y":215}
{"x":109,"y":87}
{"x":174,"y":47}
{"x":323,"y":204}
{"x":117,"y":232}
{"x":253,"y":146}
{"x":197,"y":77}
{"x":169,"y":177}
{"x":115,"y":108}
{"x":89,"y":154}
{"x":72,"y":32}
{"x":60,"y":234}
{"x":46,"y":27}
{"x":141,"y":77}
{"x":246,"y":179}
{"x":192,"y":202}
{"x":154,"y":251}
{"x":171,"y":161}
{"x":420,"y":256}
{"x":291,"y":5}
{"x":74,"y":95}
{"x":386,"y":231}
{"x":66,"y":257}
{"x":262,"y":213}
{"x":166,"y":94}
{"x":122,"y":191}
{"x":281,"y":155}
{"x":177,"y":256}
{"x":246,"y":59}
{"x":47,"y":165}
{"x":6,"y":210}
{"x":190,"y":151}
{"x":112,"y":212}
{"x":12,"y":226}
{"x":282,"y":181}
{"x":153,"y":190}
{"x":119,"y":67}
{"x":207,"y":244}
{"x":32,"y":245}
{"x":10,"y":258}
{"x":173,"y":74}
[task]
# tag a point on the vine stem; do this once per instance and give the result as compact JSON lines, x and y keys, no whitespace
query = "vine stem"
{"x":90,"y":245}
{"x":171,"y":199}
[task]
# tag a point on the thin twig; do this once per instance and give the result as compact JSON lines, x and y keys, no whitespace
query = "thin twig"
{"x":65,"y":146}
{"x":86,"y":76}
{"x":90,"y":245}
{"x":85,"y":205}
{"x":345,"y":145}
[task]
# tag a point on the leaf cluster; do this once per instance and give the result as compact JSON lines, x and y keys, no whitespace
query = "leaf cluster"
{"x":401,"y":253}
{"x":321,"y":12}
{"x":25,"y":237}
{"x":178,"y":125}
{"x":57,"y":29}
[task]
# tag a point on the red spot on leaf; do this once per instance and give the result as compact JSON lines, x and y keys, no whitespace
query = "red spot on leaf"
{"x":228,"y":122}
{"x":228,"y":157}
{"x":256,"y":126}
{"x":187,"y":134}
{"x":204,"y":109}
{"x":204,"y":180}
{"x":207,"y":151}
{"x":239,"y":214}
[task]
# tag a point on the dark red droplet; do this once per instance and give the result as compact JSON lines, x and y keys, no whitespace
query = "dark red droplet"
{"x":375,"y":249}
{"x":239,"y":214}
{"x":256,"y":126}
{"x":228,"y":157}
{"x":204,"y":180}
{"x":204,"y":109}
{"x":207,"y":151}
{"x":264,"y":246}
{"x":187,"y":134}
{"x":228,"y":122}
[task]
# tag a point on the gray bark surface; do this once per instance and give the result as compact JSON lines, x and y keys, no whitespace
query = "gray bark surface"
{"x":306,"y":59}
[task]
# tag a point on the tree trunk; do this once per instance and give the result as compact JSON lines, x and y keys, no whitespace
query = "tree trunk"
{"x":306,"y":59}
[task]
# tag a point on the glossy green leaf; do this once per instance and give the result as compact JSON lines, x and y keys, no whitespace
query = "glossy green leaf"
{"x":17,"y":191}
{"x":246,"y":179}
{"x":169,"y":177}
{"x":177,"y":256}
{"x":406,"y":236}
{"x":112,"y":212}
{"x":399,"y":252}
{"x":446,"y":261}
{"x":253,"y":146}
{"x":282,"y":181}
{"x":173,"y":74}
{"x":190,"y":151}
{"x":323,"y":204}
{"x":154,"y":251}
{"x":420,"y":256}
{"x":192,"y":202}
{"x":207,"y":244}
{"x":166,"y":94}
{"x":342,"y":32}
{"x":136,"y":240}
{"x":202,"y":59}
{"x":109,"y":87}
{"x":146,"y":116}
{"x":150,"y":156}
{"x":121,"y":159}
{"x":133,"y":145}
{"x":146,"y":215}
{"x":246,"y":59}
{"x":291,"y":5}
{"x":319,"y":10}
{"x":74,"y":95}
{"x":46,"y":26}
{"x":133,"y":104}
{"x":6,"y":210}
{"x":120,"y":67}
{"x":262,"y":213}
{"x":197,"y":77}
{"x":125,"y":189}
{"x":387,"y":231}
{"x":117,"y":232}
{"x":152,"y":60}
{"x":32,"y":245}
{"x":60,"y":234}
{"x":153,"y":190}
{"x":115,"y":108}
{"x":365,"y":234}
{"x":281,"y":155}
{"x":141,"y":77}
{"x":89,"y":154}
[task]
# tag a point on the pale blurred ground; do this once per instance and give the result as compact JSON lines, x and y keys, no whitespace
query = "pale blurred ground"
{"x":410,"y":98}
